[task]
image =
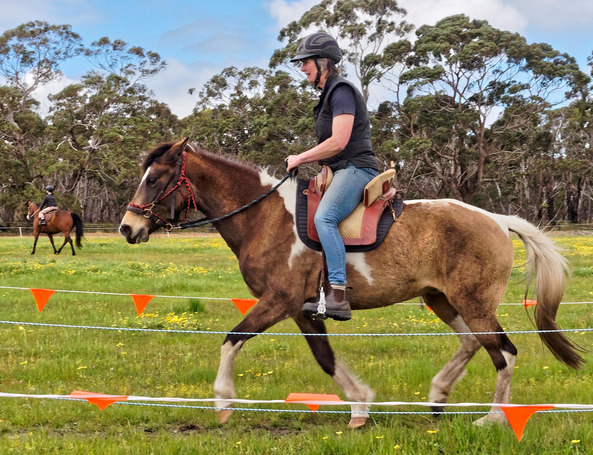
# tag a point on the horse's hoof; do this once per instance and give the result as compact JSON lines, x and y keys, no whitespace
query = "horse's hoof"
{"x":437,"y":411}
{"x":224,"y":415}
{"x":491,"y":419}
{"x":357,"y":422}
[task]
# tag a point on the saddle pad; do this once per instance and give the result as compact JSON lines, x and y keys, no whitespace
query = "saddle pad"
{"x":301,"y":222}
{"x":49,"y":214}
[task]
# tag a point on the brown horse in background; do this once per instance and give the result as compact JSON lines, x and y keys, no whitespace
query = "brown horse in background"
{"x":61,"y":221}
{"x":458,"y":258}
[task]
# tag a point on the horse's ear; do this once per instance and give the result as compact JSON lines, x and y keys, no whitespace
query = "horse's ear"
{"x":179,"y":147}
{"x":181,"y":144}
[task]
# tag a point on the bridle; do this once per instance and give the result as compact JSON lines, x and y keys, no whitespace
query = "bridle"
{"x":146,"y":210}
{"x":31,"y":215}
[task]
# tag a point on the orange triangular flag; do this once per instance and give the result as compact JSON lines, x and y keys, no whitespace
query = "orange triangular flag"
{"x":243,"y":305}
{"x":519,"y":415}
{"x":99,"y":399}
{"x":41,"y":297}
{"x":312,"y":397}
{"x":529,"y":303}
{"x":141,"y":300}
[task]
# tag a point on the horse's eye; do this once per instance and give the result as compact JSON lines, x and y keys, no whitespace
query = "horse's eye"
{"x":151,"y":181}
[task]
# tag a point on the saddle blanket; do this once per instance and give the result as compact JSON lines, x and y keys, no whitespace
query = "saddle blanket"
{"x":383,"y":227}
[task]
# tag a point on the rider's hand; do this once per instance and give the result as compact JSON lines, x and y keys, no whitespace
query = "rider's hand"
{"x":292,"y":162}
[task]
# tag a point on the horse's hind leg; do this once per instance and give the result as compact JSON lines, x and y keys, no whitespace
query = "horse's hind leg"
{"x":442,"y":384}
{"x":67,"y":239}
{"x":261,"y":317}
{"x":503,"y":354}
{"x":348,"y":383}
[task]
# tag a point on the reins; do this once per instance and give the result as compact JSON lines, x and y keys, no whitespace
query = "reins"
{"x":204,"y":221}
{"x":146,"y":210}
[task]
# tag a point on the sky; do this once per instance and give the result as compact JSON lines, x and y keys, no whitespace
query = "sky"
{"x":199,"y":38}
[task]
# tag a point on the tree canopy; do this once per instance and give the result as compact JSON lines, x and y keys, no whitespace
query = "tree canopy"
{"x":467,"y":111}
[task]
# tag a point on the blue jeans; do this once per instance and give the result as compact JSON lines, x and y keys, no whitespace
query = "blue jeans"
{"x":342,"y":197}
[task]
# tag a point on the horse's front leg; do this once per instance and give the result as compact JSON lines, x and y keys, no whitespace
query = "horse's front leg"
{"x":35,"y":238}
{"x":51,"y":239}
{"x":263,"y":316}
{"x":346,"y":381}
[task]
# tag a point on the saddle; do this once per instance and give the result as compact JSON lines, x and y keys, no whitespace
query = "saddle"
{"x":366,"y":227}
{"x":48,"y":215}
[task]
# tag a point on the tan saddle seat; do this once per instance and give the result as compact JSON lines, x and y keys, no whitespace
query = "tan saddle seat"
{"x":360,"y":227}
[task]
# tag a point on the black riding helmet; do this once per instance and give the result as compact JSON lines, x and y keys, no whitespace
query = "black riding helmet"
{"x":315,"y":46}
{"x":318,"y":45}
{"x":49,"y":188}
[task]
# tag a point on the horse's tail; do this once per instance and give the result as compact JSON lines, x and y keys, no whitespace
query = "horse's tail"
{"x":551,"y":271}
{"x":79,"y":229}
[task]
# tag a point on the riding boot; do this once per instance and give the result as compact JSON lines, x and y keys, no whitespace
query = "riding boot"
{"x":336,"y":305}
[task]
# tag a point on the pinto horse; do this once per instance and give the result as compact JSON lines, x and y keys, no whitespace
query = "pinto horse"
{"x":61,"y":221}
{"x":458,"y":258}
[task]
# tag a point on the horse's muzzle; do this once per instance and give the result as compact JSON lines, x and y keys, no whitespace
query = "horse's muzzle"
{"x":128,"y":232}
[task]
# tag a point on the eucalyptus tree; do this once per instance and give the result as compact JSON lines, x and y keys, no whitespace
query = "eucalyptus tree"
{"x":567,"y":163}
{"x":103,"y":123}
{"x":31,"y":56}
{"x":253,"y":114}
{"x":475,"y":99}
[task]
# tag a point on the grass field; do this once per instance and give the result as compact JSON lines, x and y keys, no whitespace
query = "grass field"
{"x":59,"y":360}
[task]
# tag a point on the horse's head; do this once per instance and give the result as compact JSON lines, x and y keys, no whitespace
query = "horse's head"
{"x":157,"y":201}
{"x":33,"y":207}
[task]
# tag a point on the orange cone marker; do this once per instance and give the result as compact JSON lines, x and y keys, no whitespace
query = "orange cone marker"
{"x":41,"y":297}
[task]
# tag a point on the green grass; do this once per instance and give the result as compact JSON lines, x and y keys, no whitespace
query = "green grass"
{"x":40,"y":360}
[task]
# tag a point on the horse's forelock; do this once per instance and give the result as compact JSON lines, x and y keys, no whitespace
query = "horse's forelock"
{"x":156,"y":153}
{"x":160,"y":150}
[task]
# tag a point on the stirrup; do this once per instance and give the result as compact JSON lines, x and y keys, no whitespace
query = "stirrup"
{"x":317,"y":314}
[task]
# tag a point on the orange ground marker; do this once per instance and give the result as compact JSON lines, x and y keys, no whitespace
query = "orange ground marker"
{"x":100,"y":399}
{"x":140,"y":301}
{"x":244,"y":305}
{"x":41,"y":297}
{"x":304,"y":397}
{"x":529,"y":303}
{"x":519,"y":415}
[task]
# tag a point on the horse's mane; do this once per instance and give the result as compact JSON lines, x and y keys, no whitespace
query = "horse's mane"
{"x":160,"y":150}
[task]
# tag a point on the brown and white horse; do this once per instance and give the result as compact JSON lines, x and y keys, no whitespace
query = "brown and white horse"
{"x":457,"y":257}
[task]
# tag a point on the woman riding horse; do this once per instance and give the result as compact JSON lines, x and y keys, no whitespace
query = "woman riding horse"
{"x":457,"y":257}
{"x":344,"y":133}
